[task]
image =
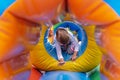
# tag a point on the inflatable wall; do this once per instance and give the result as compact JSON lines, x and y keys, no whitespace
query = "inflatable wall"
{"x":22,"y":14}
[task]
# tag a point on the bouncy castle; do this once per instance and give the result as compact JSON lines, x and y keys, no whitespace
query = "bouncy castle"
{"x":26,"y":52}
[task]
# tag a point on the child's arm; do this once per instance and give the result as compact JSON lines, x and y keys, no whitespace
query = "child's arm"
{"x":58,"y":51}
{"x":59,"y":54}
{"x":76,"y":49}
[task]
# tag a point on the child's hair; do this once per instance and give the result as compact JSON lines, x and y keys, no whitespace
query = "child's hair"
{"x":62,"y":36}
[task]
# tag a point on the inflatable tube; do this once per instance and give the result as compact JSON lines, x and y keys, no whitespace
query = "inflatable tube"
{"x":80,"y":34}
{"x":89,"y":59}
{"x":22,"y":18}
{"x":32,"y":12}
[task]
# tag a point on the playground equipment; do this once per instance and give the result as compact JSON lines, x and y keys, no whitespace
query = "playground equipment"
{"x":23,"y":14}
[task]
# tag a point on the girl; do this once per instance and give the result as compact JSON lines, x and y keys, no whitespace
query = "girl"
{"x":65,"y":41}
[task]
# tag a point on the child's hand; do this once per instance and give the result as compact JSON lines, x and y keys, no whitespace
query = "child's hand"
{"x":73,"y":57}
{"x":61,"y":61}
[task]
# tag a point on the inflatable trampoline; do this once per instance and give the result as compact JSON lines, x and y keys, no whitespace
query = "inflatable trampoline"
{"x":21,"y":14}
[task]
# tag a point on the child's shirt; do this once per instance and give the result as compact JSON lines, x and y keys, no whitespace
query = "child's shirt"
{"x":70,"y":48}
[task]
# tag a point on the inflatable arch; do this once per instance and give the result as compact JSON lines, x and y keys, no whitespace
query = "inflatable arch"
{"x":14,"y":21}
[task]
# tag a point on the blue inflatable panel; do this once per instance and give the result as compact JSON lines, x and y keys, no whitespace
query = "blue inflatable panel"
{"x":50,"y":48}
{"x":115,"y":4}
{"x":64,"y":75}
{"x":4,"y":4}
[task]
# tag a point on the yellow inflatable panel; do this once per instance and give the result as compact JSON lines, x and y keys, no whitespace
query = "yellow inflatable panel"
{"x":87,"y":61}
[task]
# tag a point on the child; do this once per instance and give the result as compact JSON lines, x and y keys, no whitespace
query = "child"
{"x":65,"y":41}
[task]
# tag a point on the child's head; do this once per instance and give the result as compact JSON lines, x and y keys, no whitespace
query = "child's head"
{"x":62,"y":36}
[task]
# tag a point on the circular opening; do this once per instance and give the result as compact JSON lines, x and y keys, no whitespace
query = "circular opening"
{"x":76,"y":30}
